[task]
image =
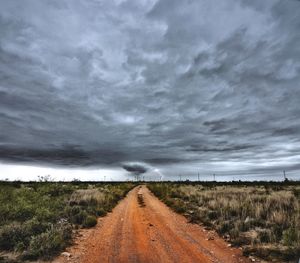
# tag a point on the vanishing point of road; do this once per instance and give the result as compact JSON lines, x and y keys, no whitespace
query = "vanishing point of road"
{"x":141,"y":229}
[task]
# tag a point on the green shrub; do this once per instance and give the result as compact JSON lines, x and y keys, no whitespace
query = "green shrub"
{"x":79,"y":216}
{"x":194,"y":217}
{"x":224,"y":227}
{"x":212,"y":215}
{"x":49,"y":243}
{"x":45,"y":245}
{"x":35,"y":227}
{"x":24,"y":212}
{"x":12,"y":235}
{"x":100,"y":211}
{"x":90,"y":221}
{"x":291,"y":236}
{"x":44,"y":214}
{"x":265,"y":236}
{"x":169,"y":202}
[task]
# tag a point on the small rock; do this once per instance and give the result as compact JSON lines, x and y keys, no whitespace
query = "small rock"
{"x":226,"y":236}
{"x":66,"y":254}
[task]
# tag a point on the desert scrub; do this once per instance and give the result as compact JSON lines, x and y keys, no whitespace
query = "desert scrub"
{"x":95,"y":200}
{"x":90,"y":221}
{"x":264,"y":219}
{"x":50,"y":242}
{"x":38,"y":219}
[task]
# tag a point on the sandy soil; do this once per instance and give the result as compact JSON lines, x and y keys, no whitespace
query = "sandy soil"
{"x":143,"y":229}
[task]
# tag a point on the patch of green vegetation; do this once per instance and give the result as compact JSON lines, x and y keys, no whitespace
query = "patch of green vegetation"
{"x":263,"y":218}
{"x":38,"y":219}
{"x":90,"y":221}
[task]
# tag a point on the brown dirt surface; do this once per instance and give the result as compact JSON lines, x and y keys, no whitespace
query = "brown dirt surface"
{"x":143,"y":229}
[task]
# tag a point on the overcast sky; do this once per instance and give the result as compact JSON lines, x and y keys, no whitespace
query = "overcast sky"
{"x":167,"y":87}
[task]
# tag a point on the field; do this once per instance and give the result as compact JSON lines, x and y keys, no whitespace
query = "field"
{"x":38,"y":220}
{"x":263,"y":218}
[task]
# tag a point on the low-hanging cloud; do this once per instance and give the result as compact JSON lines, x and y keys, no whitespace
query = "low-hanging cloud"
{"x":136,"y":168}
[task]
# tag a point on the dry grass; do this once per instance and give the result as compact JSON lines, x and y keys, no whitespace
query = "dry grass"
{"x":265,"y":221}
{"x":87,"y":196}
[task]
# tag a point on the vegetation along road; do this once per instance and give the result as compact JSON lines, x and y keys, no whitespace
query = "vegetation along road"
{"x":143,"y":229}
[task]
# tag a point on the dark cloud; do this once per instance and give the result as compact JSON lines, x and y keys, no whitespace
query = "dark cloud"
{"x":195,"y":148}
{"x":135,"y":168}
{"x":71,"y":155}
{"x":177,"y":85}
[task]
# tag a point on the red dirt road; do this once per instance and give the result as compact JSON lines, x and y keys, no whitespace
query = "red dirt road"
{"x":143,"y":229}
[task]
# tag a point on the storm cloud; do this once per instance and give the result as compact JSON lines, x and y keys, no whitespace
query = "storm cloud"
{"x":179,"y":85}
{"x":135,"y":168}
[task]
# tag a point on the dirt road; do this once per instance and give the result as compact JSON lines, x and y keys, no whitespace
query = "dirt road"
{"x":143,"y":229}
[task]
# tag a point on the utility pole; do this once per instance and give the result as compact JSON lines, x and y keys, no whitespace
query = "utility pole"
{"x":214,"y":177}
{"x":198,"y":177}
{"x":180,"y":177}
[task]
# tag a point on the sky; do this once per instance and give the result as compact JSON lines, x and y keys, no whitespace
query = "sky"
{"x":100,"y":90}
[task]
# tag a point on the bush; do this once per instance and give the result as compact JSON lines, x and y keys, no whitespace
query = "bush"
{"x":12,"y":235}
{"x":179,"y":206}
{"x":194,"y":217}
{"x":100,"y":212}
{"x":79,"y":217}
{"x":291,"y":236}
{"x":49,"y":243}
{"x":44,"y":245}
{"x":212,"y":215}
{"x":265,"y":236}
{"x":24,"y":213}
{"x":90,"y":221}
{"x":224,"y":227}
